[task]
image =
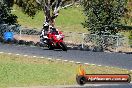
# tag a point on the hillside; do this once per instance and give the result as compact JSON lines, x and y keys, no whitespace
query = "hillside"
{"x":69,"y":19}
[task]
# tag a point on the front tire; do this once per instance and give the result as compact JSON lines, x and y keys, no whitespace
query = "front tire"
{"x":63,"y":46}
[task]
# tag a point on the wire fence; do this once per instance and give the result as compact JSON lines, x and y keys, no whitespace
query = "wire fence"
{"x":6,"y":28}
{"x":80,"y":40}
{"x":111,"y":42}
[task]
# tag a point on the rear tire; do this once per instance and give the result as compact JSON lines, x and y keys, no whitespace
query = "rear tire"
{"x":63,"y":46}
{"x":50,"y":47}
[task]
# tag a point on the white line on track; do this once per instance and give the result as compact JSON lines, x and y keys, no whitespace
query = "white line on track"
{"x":65,"y":60}
{"x":124,"y":69}
{"x":49,"y":58}
{"x":78,"y":62}
{"x":99,"y":65}
{"x":71,"y":61}
{"x":58,"y":59}
{"x":17,"y":54}
{"x":9,"y":53}
{"x":41,"y":57}
{"x":1,"y":52}
{"x":34,"y":56}
{"x":107,"y":66}
{"x":25,"y":55}
{"x":93,"y":64}
{"x":86,"y":63}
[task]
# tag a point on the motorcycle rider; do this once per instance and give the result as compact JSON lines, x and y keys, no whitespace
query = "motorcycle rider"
{"x":45,"y":30}
{"x":49,"y":20}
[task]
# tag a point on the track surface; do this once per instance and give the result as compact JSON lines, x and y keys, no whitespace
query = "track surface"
{"x":104,"y":86}
{"x":99,"y":58}
{"x":107,"y":59}
{"x":85,"y":86}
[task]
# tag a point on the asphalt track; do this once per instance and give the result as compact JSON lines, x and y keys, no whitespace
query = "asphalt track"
{"x":85,"y":86}
{"x":103,"y":86}
{"x":99,"y":58}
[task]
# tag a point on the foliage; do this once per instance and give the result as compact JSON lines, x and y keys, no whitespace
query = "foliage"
{"x":103,"y":15}
{"x":130,"y":38}
{"x":9,"y":3}
{"x":29,"y":7}
{"x":65,"y":21}
{"x":127,"y":19}
{"x":5,"y":15}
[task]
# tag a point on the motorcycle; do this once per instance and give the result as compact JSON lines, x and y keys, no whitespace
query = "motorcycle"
{"x":54,"y":40}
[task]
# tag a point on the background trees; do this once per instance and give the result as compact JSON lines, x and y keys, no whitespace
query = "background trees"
{"x":31,"y":7}
{"x":5,"y":14}
{"x":103,"y":15}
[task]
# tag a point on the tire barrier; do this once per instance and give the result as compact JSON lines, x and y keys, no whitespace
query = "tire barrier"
{"x":30,"y":32}
{"x":37,"y":44}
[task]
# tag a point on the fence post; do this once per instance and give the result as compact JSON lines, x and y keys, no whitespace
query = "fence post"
{"x":83,"y":40}
{"x":20,"y":33}
{"x":117,"y":44}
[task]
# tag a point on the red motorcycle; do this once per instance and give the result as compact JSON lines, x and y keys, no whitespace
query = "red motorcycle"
{"x":55,"y":41}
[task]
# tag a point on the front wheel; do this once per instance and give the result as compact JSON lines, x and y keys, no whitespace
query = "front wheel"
{"x":63,"y":46}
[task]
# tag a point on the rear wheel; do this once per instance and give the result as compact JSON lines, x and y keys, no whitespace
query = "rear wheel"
{"x":50,"y":47}
{"x":63,"y":46}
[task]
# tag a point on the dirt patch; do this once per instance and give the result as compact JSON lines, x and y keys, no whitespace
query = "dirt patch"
{"x":34,"y":38}
{"x":124,"y":49}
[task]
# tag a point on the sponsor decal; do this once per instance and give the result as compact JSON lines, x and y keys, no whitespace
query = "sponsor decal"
{"x":83,"y":78}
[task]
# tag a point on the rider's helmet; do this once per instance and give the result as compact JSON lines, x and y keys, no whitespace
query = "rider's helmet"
{"x":54,"y":30}
{"x":46,"y":26}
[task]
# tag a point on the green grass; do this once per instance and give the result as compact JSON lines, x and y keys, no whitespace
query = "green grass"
{"x":21,"y":71}
{"x":69,"y":19}
{"x":18,"y":71}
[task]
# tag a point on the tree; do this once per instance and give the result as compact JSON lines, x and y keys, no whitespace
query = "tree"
{"x":103,"y":15}
{"x":29,"y":7}
{"x":130,"y":39}
{"x":5,"y":14}
{"x":103,"y":18}
{"x":49,"y":7}
{"x":9,"y":3}
{"x":6,"y":17}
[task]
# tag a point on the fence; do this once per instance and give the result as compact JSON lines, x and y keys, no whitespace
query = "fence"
{"x":7,"y":28}
{"x":81,"y":40}
{"x":111,"y":42}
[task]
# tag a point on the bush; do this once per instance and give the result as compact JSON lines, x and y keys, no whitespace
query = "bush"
{"x":6,"y":18}
{"x":5,"y":15}
{"x":130,"y":39}
{"x":103,"y":15}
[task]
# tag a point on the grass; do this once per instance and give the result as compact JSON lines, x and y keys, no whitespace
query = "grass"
{"x":69,"y":19}
{"x":18,"y":71}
